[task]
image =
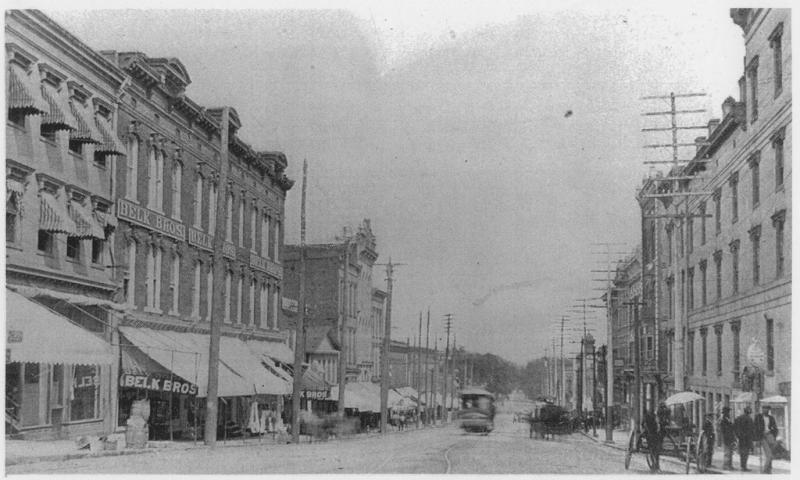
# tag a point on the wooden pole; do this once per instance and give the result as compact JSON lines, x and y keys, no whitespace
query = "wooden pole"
{"x":217,"y":295}
{"x":299,"y":340}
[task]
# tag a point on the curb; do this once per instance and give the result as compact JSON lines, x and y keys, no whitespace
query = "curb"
{"x":672,"y":460}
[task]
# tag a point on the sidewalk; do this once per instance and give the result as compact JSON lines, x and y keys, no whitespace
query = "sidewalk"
{"x":34,"y":451}
{"x":621,"y":437}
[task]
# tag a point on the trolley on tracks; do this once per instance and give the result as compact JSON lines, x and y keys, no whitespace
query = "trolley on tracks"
{"x":477,"y":410}
{"x":685,"y":442}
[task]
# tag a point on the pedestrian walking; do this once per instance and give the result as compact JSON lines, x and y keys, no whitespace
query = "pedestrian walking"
{"x":766,"y":430}
{"x":728,"y":438}
{"x":744,"y":428}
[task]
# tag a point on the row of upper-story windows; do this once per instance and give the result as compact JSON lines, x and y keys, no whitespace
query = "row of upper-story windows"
{"x":734,"y":360}
{"x":72,"y":224}
{"x":697,"y":223}
{"x":750,"y":84}
{"x":255,"y":303}
{"x":263,"y":228}
{"x":734,"y":271}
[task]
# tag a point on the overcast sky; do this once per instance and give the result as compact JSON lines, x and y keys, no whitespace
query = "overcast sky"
{"x":447,"y":126}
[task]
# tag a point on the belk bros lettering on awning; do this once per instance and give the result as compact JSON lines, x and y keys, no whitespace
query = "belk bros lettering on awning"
{"x":147,"y":382}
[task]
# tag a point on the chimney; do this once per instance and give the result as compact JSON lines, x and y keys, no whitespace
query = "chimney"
{"x":699,"y":143}
{"x":712,"y":125}
{"x":727,"y":106}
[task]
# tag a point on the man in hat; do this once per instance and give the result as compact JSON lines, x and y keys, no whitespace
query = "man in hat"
{"x":728,"y":438}
{"x":708,"y":429}
{"x":744,"y":428}
{"x":766,"y":430}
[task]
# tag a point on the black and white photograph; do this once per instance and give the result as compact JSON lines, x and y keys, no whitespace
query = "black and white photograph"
{"x":358,"y":237}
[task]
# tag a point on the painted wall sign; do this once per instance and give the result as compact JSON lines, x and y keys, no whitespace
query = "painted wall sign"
{"x":14,"y":336}
{"x":147,"y":382}
{"x":201,"y":239}
{"x":133,"y":213}
{"x":314,"y":394}
{"x":290,"y":305}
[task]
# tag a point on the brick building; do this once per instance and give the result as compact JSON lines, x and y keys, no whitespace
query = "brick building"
{"x":60,"y":151}
{"x":355,"y":312}
{"x":123,"y":213}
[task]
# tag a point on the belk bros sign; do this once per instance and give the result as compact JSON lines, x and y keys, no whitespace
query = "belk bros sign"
{"x":126,"y":380}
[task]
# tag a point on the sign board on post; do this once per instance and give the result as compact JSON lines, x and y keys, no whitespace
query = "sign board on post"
{"x":290,"y":305}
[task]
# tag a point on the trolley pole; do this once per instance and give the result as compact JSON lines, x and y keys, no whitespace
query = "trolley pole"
{"x":448,"y":322}
{"x":343,"y":325}
{"x":419,"y":371}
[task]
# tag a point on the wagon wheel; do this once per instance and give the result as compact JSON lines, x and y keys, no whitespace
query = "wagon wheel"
{"x":701,"y":455}
{"x":688,"y":452}
{"x":631,"y":449}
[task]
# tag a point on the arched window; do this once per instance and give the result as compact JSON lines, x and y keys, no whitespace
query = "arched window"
{"x":175,"y":284}
{"x":229,"y":218}
{"x":177,"y":181}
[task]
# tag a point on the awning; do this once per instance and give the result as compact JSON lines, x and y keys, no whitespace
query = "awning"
{"x":140,"y":371}
{"x":111,"y":143}
{"x":745,"y":397}
{"x":14,"y":187}
{"x":58,"y":115}
{"x":240,"y":373}
{"x":21,"y":95}
{"x":87,"y":130}
{"x":775,"y":399}
{"x":85,"y":222}
{"x":363,"y":396}
{"x":107,"y":220}
{"x":38,"y":335}
{"x":73,"y":298}
{"x":276,"y":350}
{"x":53,"y":216}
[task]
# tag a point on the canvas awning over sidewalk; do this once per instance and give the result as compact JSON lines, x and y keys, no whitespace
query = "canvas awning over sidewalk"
{"x":240,"y":372}
{"x":38,"y":335}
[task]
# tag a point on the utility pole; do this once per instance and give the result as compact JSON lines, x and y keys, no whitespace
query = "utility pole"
{"x":343,"y":324}
{"x":299,"y":339}
{"x":427,"y":386}
{"x":453,"y":374}
{"x":215,"y":319}
{"x":387,"y":340}
{"x":419,"y":371}
{"x":433,"y":382}
{"x":448,"y":323}
{"x":563,"y":392}
{"x":681,"y":307}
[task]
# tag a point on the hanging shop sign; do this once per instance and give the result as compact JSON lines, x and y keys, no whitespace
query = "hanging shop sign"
{"x":314,"y":394}
{"x":155,"y":384}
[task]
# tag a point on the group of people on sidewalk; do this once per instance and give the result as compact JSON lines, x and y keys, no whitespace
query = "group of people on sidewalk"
{"x":744,"y":432}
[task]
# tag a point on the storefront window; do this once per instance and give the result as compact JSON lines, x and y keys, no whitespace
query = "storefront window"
{"x":86,"y":393}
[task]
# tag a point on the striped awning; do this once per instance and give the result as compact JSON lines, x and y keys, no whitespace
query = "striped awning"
{"x":85,"y":222}
{"x":54,"y":216}
{"x":111,"y":143}
{"x":87,"y":129}
{"x":21,"y":95}
{"x":59,"y":115}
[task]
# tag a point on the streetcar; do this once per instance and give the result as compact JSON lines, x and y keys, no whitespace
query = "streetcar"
{"x":477,"y":410}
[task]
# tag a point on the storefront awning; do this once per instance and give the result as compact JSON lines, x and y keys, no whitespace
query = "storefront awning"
{"x":21,"y":96}
{"x":240,"y":373}
{"x":138,"y":370}
{"x":72,"y":298}
{"x":38,"y":335}
{"x":363,"y":396}
{"x":85,"y":222}
{"x":745,"y":397}
{"x":107,"y":220}
{"x":276,"y":350}
{"x":54,"y":216}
